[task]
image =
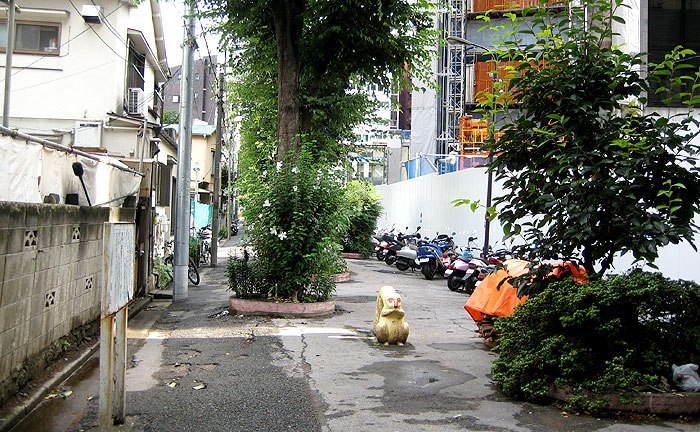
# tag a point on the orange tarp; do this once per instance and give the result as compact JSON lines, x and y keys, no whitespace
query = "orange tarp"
{"x":488,"y":299}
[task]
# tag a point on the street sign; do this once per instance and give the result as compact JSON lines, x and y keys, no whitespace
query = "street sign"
{"x":117,"y":290}
{"x":119,"y":241}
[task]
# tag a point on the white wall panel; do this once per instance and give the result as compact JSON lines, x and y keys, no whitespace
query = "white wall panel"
{"x":426,"y":201}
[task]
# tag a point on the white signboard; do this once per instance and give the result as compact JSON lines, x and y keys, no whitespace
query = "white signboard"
{"x":118,"y":287}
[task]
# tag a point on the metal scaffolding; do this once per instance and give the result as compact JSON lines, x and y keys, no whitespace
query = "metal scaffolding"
{"x":452,"y":76}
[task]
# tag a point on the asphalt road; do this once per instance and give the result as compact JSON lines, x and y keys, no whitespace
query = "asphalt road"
{"x":193,"y":367}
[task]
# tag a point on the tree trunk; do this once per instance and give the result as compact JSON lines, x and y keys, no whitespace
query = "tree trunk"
{"x":289,"y":21}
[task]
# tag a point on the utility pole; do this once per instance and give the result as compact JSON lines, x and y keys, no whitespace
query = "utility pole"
{"x":229,"y":201}
{"x":8,"y":60}
{"x":217,"y":171}
{"x":184,"y":160}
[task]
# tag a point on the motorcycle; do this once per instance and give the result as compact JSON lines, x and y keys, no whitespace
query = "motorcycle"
{"x":407,"y":257}
{"x":392,"y":248}
{"x":382,"y":242}
{"x":432,"y":255}
{"x":467,"y":270}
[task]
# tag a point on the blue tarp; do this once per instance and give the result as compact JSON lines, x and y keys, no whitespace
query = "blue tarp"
{"x":202,"y":214}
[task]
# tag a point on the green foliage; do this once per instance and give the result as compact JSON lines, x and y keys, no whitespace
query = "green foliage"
{"x":194,"y":248}
{"x":246,"y":278}
{"x":171,"y":117}
{"x":607,"y":336}
{"x":292,"y":217}
{"x":588,"y":172}
{"x":164,"y":272}
{"x":362,"y":207}
{"x":341,"y":46}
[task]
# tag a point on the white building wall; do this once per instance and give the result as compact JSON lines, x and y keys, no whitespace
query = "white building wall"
{"x":87,"y":79}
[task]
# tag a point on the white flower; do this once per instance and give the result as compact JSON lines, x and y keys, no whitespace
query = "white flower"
{"x":264,"y":173}
{"x":260,"y":216}
{"x":295,"y":188}
{"x":273,"y":231}
{"x":279,"y":166}
{"x":266,"y":203}
{"x":282,"y":235}
{"x":294,"y":170}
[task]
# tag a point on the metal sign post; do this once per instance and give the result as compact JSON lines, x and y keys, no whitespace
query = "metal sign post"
{"x":117,"y":291}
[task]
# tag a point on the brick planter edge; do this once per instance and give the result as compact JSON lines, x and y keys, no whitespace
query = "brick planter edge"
{"x":677,"y":403}
{"x":238,"y":306}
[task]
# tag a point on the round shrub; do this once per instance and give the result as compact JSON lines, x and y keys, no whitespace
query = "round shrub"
{"x":619,"y":335}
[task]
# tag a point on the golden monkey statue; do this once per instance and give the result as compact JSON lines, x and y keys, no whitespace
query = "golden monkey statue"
{"x":389,"y":326}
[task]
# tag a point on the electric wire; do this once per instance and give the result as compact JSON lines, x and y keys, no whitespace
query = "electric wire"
{"x":43,"y":56}
{"x":109,"y":25}
{"x":98,"y":35}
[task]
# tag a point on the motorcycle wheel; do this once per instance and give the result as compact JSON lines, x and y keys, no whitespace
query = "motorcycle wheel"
{"x":452,"y":283}
{"x":428,"y":269}
{"x":380,"y":255}
{"x":402,"y":265}
{"x":390,"y":259}
{"x":469,"y":285}
{"x":192,"y":273}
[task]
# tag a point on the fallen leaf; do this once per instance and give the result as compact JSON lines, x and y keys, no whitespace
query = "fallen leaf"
{"x":51,"y":396}
{"x":172,"y":384}
{"x":200,"y":386}
{"x":68,"y":393}
{"x":90,"y":398}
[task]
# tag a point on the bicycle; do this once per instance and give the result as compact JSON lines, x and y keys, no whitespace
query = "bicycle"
{"x":192,"y":271}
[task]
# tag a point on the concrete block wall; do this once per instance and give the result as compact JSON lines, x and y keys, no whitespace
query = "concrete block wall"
{"x":50,"y":276}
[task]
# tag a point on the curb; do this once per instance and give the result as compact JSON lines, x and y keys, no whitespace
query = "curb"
{"x":20,"y":412}
{"x":353,"y":255}
{"x":286,"y":310}
{"x":675,"y":403}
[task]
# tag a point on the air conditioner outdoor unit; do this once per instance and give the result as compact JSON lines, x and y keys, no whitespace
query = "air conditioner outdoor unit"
{"x":135,"y":103}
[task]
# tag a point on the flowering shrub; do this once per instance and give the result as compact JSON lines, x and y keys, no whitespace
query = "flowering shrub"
{"x":291,"y":211}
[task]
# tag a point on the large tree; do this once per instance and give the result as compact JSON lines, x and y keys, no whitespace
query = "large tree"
{"x":321,"y":50}
{"x":589,"y":170}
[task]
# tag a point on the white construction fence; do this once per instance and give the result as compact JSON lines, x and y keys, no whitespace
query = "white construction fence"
{"x":426,"y":201}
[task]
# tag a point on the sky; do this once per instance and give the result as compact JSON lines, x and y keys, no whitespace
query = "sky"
{"x":171,"y":16}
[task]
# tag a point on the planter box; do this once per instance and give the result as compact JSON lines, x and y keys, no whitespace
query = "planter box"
{"x":238,"y":306}
{"x":342,"y":277}
{"x":679,"y":403}
{"x":353,"y":255}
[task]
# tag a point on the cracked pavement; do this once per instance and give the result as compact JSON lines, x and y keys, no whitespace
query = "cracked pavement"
{"x":192,"y":366}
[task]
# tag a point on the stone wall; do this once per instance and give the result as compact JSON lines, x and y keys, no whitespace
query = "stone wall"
{"x":50,"y":275}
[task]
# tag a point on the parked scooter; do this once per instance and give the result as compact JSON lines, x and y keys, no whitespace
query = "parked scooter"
{"x":392,"y":248}
{"x":468,"y":270}
{"x":407,"y":257}
{"x":431,"y":254}
{"x":382,"y":242}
